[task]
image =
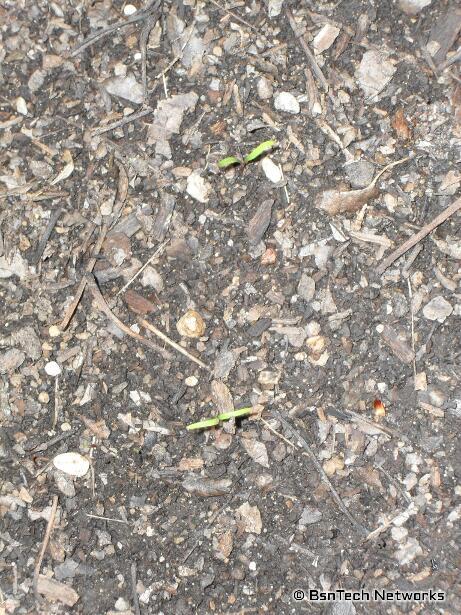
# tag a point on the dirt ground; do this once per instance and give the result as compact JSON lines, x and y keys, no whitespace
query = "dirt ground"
{"x":145,"y":285}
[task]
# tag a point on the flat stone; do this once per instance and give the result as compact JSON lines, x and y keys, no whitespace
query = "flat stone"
{"x":438,"y":309}
{"x":360,"y":173}
{"x":11,"y":360}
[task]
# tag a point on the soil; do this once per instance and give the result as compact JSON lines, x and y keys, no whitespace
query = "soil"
{"x":346,"y":474}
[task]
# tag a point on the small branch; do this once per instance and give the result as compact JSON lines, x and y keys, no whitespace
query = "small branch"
{"x":125,"y":120}
{"x":46,"y":539}
{"x":295,"y":434}
{"x":149,"y":260}
{"x":46,"y":235}
{"x":81,"y":289}
{"x":428,"y":228}
{"x":171,"y":343}
{"x":153,"y":5}
{"x":307,"y":52}
{"x":102,"y":305}
{"x":234,"y":15}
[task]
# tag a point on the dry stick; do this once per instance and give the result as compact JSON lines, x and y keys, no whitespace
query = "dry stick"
{"x":93,"y":38}
{"x":46,"y":235}
{"x":46,"y":539}
{"x":149,"y":260}
{"x":102,"y":305}
{"x":133,"y":589}
{"x":153,"y":329}
{"x":307,"y":52}
{"x":234,"y":16}
{"x":81,"y":288}
{"x":125,"y":120}
{"x":428,"y":228}
{"x":296,"y":435}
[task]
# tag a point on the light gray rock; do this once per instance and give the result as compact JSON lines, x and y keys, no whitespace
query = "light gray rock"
{"x":360,"y":173}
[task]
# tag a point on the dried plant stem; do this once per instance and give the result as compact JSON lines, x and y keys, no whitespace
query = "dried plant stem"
{"x":46,"y":539}
{"x":417,"y":237}
{"x":295,"y":434}
{"x":102,"y":305}
{"x":153,"y":329}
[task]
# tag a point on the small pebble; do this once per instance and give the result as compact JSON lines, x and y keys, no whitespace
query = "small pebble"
{"x":43,"y":397}
{"x":52,"y":369}
{"x":129,"y":9}
{"x":191,"y":381}
{"x":54,"y":331}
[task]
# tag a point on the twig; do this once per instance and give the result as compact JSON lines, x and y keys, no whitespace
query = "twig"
{"x":102,"y":305}
{"x":234,"y":15}
{"x":145,"y":32}
{"x":133,"y":589}
{"x":297,"y":435}
{"x":451,"y":60}
{"x":125,"y":120}
{"x":428,"y":228}
{"x":307,"y":52}
{"x":412,"y":318}
{"x":150,"y":259}
{"x":171,"y":343}
{"x":81,"y":288}
{"x":46,"y":539}
{"x":153,"y":5}
{"x":46,"y":235}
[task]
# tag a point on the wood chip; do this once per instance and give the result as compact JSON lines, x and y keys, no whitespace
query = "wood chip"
{"x":54,"y":591}
{"x":400,"y":348}
{"x":259,"y":223}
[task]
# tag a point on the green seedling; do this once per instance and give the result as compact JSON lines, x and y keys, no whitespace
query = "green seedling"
{"x":255,"y":153}
{"x":215,"y":420}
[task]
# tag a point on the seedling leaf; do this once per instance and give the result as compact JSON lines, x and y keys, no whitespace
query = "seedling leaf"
{"x":259,"y":150}
{"x":217,"y":419}
{"x":228,"y":162}
{"x":203,"y":424}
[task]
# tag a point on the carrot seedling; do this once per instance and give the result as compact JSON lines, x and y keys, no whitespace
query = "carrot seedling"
{"x":215,"y":420}
{"x":255,"y":153}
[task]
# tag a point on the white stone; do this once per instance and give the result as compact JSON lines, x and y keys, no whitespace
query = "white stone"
{"x":413,"y":7}
{"x":151,"y":277}
{"x":285,"y":101}
{"x":274,"y":7}
{"x":438,"y":309}
{"x":191,"y":381}
{"x":197,"y":187}
{"x":271,"y":170}
{"x":129,"y":9}
{"x":21,"y":105}
{"x":72,"y":464}
{"x":52,"y":369}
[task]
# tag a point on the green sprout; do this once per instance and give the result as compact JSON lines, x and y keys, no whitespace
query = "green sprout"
{"x":215,"y":420}
{"x":255,"y":153}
